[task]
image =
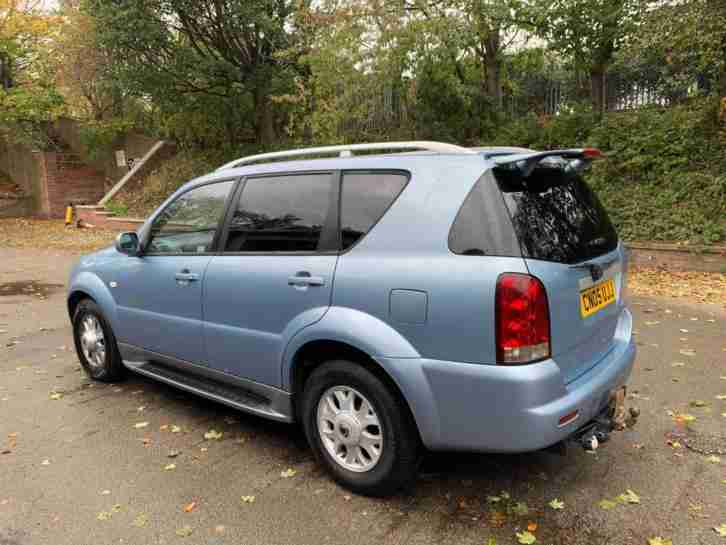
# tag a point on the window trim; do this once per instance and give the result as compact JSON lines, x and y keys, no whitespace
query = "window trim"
{"x":331,"y":222}
{"x":215,"y":241}
{"x":405,"y":173}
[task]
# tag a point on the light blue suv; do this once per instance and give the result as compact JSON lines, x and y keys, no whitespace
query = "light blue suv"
{"x":391,"y":298}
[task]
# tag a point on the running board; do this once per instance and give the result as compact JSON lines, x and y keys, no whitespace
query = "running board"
{"x":233,"y":396}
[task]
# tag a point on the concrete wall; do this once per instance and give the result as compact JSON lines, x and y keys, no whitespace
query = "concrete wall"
{"x":24,"y":167}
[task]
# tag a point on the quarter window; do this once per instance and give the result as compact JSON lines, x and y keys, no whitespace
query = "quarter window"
{"x":366,"y":197}
{"x":189,"y":223}
{"x":284,"y":214}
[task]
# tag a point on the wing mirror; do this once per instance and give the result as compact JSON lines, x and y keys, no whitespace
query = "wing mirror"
{"x":128,"y":243}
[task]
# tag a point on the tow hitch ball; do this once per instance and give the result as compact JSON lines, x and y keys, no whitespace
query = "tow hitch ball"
{"x":599,"y":432}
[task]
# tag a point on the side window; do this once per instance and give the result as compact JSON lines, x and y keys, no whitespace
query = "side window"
{"x":188,"y":224}
{"x":366,"y":197}
{"x":483,"y":226}
{"x":284,"y":214}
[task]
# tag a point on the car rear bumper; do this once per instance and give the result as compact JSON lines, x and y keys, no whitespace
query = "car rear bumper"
{"x":491,"y":408}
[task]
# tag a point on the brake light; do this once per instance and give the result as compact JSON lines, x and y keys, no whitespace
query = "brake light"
{"x":592,"y":153}
{"x":522,"y":319}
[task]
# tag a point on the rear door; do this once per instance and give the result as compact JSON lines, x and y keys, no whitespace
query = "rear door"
{"x":569,"y":243}
{"x":275,"y":274}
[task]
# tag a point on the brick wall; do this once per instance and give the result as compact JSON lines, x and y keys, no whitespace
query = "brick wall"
{"x":68,"y":180}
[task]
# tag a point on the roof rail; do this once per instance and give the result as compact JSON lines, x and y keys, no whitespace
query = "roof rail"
{"x":346,"y":150}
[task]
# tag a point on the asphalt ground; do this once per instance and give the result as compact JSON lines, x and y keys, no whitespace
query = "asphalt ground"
{"x":78,"y":465}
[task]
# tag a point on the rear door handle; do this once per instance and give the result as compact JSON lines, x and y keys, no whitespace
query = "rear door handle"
{"x":186,"y":276}
{"x":303,"y":278}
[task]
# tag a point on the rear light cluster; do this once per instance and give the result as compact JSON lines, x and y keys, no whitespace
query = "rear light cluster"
{"x":522,"y":319}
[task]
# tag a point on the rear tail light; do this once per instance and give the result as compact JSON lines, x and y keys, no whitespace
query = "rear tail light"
{"x":522,"y":319}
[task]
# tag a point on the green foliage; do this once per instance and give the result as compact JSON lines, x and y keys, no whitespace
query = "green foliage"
{"x":99,"y":137}
{"x":120,"y":209}
{"x":140,"y":201}
{"x":665,"y":173}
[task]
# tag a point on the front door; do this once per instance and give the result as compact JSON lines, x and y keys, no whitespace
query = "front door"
{"x":159,"y":294}
{"x":275,"y":274}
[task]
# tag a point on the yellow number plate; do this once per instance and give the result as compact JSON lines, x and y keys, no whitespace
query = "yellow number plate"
{"x":597,"y":297}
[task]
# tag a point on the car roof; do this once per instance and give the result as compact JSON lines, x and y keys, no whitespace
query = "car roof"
{"x":409,"y":161}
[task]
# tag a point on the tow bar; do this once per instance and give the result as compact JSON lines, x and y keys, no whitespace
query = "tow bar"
{"x":613,"y":417}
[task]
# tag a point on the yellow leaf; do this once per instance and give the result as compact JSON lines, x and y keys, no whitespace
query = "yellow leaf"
{"x":720,"y":530}
{"x":140,"y":425}
{"x":140,"y":521}
{"x":103,"y":515}
{"x":184,"y":531}
{"x":659,"y":541}
{"x":213,"y":435}
{"x":629,"y":497}
{"x":526,"y":537}
{"x":713,"y":459}
{"x":606,"y":504}
{"x":247,"y":499}
{"x":169,"y":467}
{"x":56,"y":395}
{"x":556,"y":504}
{"x":290,"y":472}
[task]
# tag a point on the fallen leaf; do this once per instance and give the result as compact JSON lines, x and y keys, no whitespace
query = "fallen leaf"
{"x":247,"y":499}
{"x":698,"y":403}
{"x":684,"y":330}
{"x":520,"y":509}
{"x":56,"y":395}
{"x":169,"y":467}
{"x":687,"y":352}
{"x":104,"y":515}
{"x":720,"y":530}
{"x":105,"y":492}
{"x":173,"y":453}
{"x":140,"y":425}
{"x":290,"y":472}
{"x":188,"y":508}
{"x":117,"y":508}
{"x":45,"y":463}
{"x":678,"y":364}
{"x":556,"y":504}
{"x":629,"y":497}
{"x":606,"y":504}
{"x":219,"y":529}
{"x":685,"y":418}
{"x":657,"y":540}
{"x":653,"y":322}
{"x":176,"y":429}
{"x":184,"y":531}
{"x":526,"y":537}
{"x":532,"y":527}
{"x":713,"y":459}
{"x":141,"y":409}
{"x":140,"y":521}
{"x":721,"y":397}
{"x":213,"y":435}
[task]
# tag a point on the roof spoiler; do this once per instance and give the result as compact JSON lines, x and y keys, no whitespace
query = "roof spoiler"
{"x":526,"y":163}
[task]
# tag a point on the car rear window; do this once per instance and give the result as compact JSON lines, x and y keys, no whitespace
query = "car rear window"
{"x":366,"y":197}
{"x":556,"y":216}
{"x":482,"y":225}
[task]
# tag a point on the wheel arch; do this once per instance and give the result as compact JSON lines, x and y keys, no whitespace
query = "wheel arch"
{"x":89,"y":286}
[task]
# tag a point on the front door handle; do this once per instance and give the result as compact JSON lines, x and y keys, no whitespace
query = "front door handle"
{"x":303,"y":278}
{"x":186,"y":276}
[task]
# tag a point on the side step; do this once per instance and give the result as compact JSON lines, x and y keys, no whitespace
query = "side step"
{"x":238,"y":398}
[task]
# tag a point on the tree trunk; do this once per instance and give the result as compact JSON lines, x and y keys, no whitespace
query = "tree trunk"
{"x":494,"y":80}
{"x":6,"y":76}
{"x":722,"y":104}
{"x":264,"y":122}
{"x":598,"y":89}
{"x":493,"y":65}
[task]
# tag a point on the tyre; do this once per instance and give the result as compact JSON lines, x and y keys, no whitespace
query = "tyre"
{"x":95,"y":343}
{"x":360,"y":429}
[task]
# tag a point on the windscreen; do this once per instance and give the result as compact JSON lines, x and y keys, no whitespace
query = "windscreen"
{"x":555,"y":214}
